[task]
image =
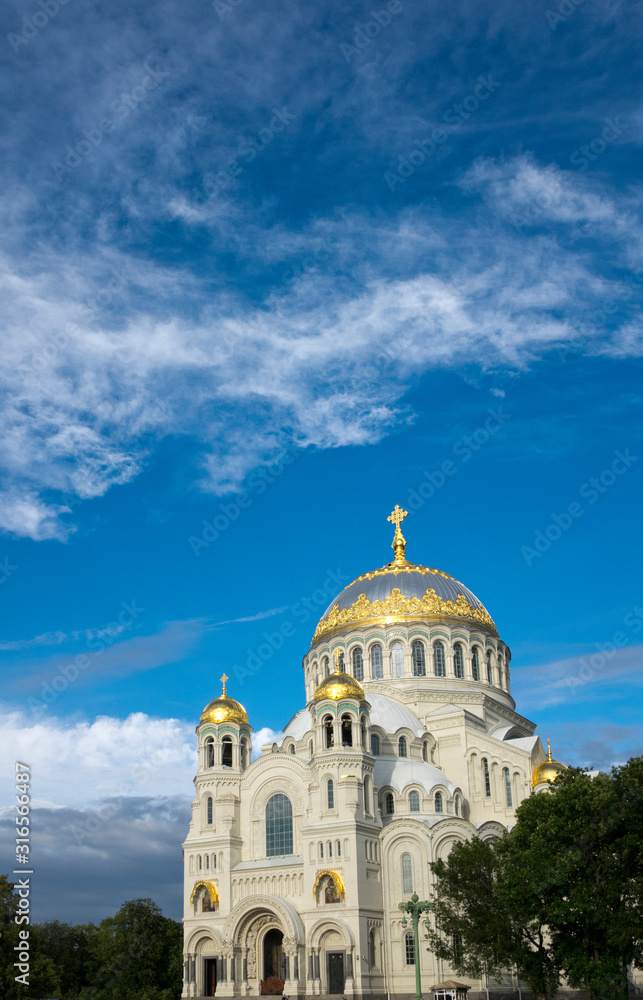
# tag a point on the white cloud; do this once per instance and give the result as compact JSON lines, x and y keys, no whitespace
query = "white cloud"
{"x":263,"y":736}
{"x":529,"y":193}
{"x":74,"y":764}
{"x":325,"y":361}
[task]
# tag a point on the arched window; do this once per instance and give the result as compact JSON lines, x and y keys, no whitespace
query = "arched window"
{"x":209,"y":810}
{"x":199,"y":862}
{"x":310,"y":748}
{"x":244,"y":754}
{"x":328,"y":730}
{"x":409,"y":948}
{"x":338,"y":845}
{"x":425,"y":751}
{"x":226,"y":752}
{"x":397,"y":659}
{"x":407,"y":873}
{"x":207,"y":862}
{"x":330,"y":848}
{"x":439,"y":666}
{"x":390,"y":804}
{"x":358,"y":664}
{"x":278,"y":826}
{"x":419,"y":659}
{"x":508,"y":786}
{"x":414,"y":802}
{"x":371,"y":950}
{"x":475,"y":664}
{"x":321,"y":850}
{"x":214,"y":861}
{"x":500,"y":672}
{"x":377,"y":662}
{"x":367,"y":795}
{"x":326,"y":666}
{"x":292,"y":748}
{"x":438,"y":802}
{"x":375,"y":744}
{"x":401,"y":747}
{"x":458,"y":660}
{"x":362,"y":731}
{"x":209,"y":752}
{"x":456,"y":805}
{"x":489,"y":671}
{"x":330,"y":794}
{"x":487,"y":777}
{"x":347,"y":731}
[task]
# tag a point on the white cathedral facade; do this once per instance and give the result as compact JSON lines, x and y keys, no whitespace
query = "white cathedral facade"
{"x":295,"y":863}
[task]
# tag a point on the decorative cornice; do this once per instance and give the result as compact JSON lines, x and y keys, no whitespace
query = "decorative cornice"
{"x":406,"y":567}
{"x":398,"y":608}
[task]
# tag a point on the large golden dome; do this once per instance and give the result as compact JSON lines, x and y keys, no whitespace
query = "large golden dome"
{"x":402,"y":591}
{"x":339,"y":685}
{"x":224,"y":709}
{"x":548,"y":770}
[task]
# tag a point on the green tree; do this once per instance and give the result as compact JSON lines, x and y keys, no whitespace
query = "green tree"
{"x":8,"y":937}
{"x":486,"y":917}
{"x":561,"y":893}
{"x":44,"y":974}
{"x":138,"y":954}
{"x":592,"y":898}
{"x":70,"y":949}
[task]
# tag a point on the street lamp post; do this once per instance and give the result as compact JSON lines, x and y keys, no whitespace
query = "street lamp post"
{"x":415,"y":907}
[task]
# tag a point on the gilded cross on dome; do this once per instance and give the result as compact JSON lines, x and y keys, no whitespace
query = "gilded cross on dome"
{"x":223,"y":680}
{"x":397,"y":516}
{"x":399,"y":541}
{"x":338,"y":661}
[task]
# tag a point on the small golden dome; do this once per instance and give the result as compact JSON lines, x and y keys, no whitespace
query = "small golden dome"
{"x":339,"y":685}
{"x":224,"y":709}
{"x":548,"y":770}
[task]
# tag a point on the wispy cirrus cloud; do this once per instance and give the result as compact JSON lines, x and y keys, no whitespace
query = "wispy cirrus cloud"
{"x":58,"y":638}
{"x":104,"y":657}
{"x":251,"y":618}
{"x":305,"y":368}
{"x":246,"y":301}
{"x":601,"y":670}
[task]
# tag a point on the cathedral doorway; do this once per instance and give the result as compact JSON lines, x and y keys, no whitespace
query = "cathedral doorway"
{"x":274,"y":959}
{"x":209,"y":977}
{"x":335,"y":971}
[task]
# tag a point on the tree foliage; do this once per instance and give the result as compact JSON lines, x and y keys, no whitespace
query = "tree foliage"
{"x":134,"y":955}
{"x":560,"y":895}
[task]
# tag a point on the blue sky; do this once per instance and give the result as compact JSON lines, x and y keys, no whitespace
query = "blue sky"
{"x":266,"y":273}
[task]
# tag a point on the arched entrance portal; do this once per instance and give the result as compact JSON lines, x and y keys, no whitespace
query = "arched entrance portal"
{"x":274,"y":959}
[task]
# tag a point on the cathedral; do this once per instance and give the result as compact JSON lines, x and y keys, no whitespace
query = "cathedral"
{"x":295,"y":863}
